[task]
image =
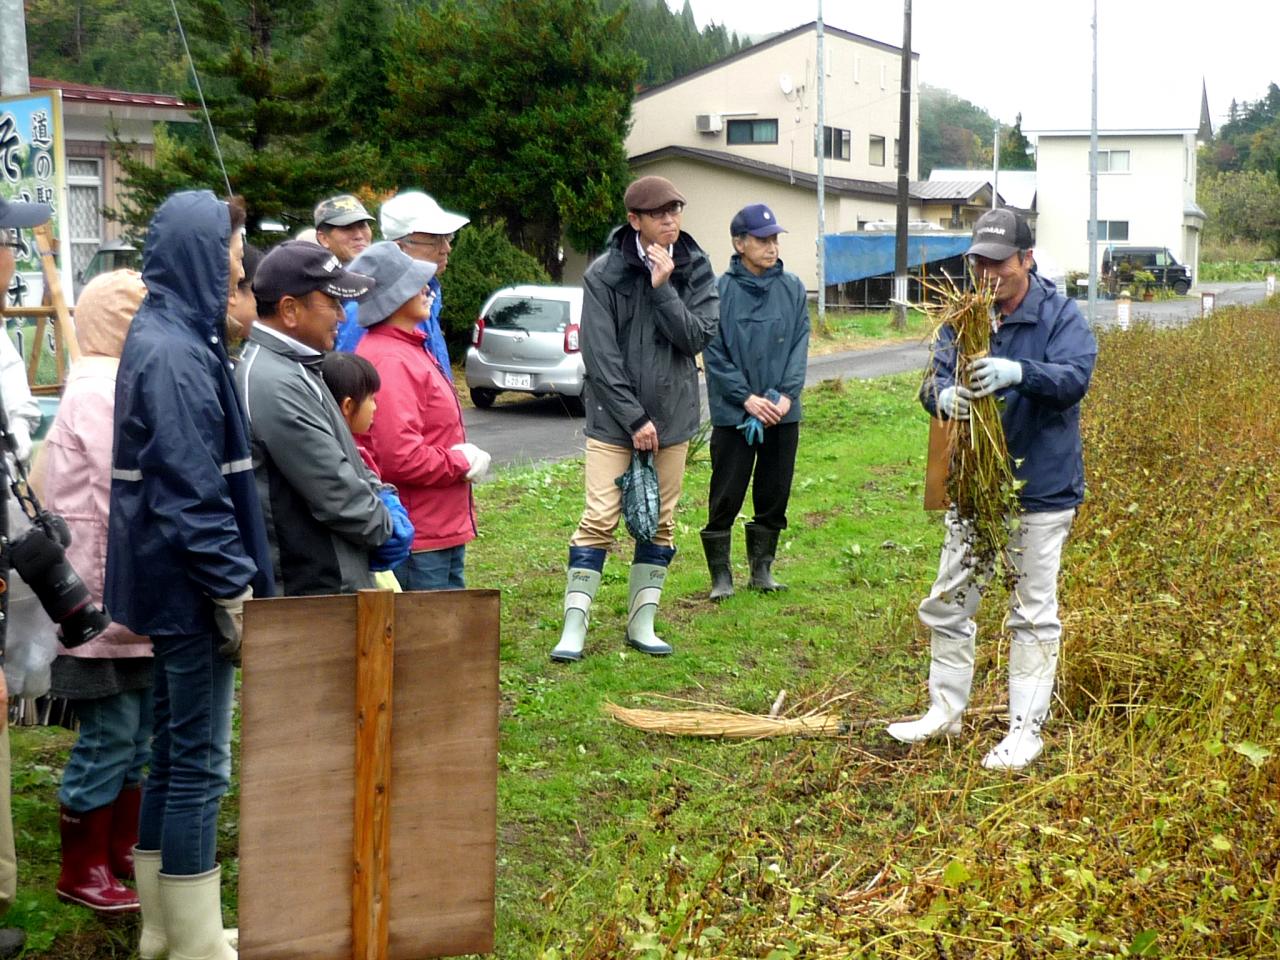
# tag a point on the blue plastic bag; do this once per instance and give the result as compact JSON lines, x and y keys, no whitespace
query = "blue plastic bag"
{"x":641,"y":499}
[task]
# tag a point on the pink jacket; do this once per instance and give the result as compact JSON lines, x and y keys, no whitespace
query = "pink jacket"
{"x":75,"y":470}
{"x":418,"y":421}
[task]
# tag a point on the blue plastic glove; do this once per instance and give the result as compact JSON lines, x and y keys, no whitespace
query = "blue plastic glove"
{"x":752,"y":431}
{"x":396,"y":550}
{"x":989,"y":374}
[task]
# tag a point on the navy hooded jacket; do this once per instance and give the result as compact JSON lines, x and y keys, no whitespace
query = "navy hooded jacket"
{"x":1048,"y":335}
{"x":185,"y":522}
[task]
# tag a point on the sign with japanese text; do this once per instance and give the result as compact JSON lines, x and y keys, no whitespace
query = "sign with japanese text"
{"x":32,"y":170}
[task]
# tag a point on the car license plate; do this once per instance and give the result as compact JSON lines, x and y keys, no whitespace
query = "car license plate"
{"x":519,"y":381}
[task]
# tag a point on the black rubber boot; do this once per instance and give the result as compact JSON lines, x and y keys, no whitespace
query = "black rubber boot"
{"x":761,"y":544}
{"x":12,"y":939}
{"x":716,"y":545}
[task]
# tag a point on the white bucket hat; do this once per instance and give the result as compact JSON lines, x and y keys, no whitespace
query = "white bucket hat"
{"x":416,"y":212}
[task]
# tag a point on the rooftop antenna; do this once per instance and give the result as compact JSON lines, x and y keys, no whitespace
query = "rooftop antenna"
{"x":217,"y":150}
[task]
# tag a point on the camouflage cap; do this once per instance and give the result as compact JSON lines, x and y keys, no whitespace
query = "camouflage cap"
{"x":340,"y":211}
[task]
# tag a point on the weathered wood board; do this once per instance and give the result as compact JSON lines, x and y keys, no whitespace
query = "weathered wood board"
{"x":297,"y":778}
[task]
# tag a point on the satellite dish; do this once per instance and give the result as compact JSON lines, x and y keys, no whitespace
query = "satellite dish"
{"x":786,"y":84}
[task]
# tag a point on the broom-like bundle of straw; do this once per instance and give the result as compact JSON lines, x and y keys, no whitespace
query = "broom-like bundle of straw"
{"x":732,"y":725}
{"x":980,"y":480}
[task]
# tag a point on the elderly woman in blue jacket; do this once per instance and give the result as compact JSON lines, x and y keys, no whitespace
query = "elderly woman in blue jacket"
{"x":755,"y":371}
{"x":1040,"y":363}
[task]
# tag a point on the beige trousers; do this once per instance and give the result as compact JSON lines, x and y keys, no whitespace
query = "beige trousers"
{"x":605,"y":463}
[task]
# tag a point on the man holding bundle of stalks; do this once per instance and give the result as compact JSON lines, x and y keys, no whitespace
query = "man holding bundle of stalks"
{"x":1038,"y":363}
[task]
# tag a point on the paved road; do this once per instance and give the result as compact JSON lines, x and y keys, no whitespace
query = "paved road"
{"x":540,"y":429}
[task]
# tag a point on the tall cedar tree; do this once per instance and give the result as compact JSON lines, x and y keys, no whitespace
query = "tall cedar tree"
{"x":516,"y":109}
{"x":267,"y":101}
{"x":129,"y":46}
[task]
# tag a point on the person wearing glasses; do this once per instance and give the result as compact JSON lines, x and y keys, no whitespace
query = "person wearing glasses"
{"x":650,"y":305}
{"x":344,"y":228}
{"x":425,"y":231}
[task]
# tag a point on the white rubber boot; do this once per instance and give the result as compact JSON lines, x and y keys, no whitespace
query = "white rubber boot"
{"x":192,"y":910}
{"x":153,"y":944}
{"x":579,"y":593}
{"x":950,"y":680}
{"x":1032,"y":667}
{"x":646,"y":591}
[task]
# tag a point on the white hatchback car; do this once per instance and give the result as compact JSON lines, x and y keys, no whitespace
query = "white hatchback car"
{"x":527,"y":339}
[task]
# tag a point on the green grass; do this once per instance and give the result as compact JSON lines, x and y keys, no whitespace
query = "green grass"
{"x":850,"y":329}
{"x":1148,"y":828}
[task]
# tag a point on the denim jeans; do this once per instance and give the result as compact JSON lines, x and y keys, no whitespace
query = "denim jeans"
{"x":111,"y":751}
{"x":190,"y":755}
{"x":433,"y":569}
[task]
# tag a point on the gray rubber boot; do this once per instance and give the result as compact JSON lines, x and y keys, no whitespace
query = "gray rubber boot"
{"x":716,"y":544}
{"x":1032,"y":669}
{"x":579,"y":593}
{"x":761,"y":544}
{"x":192,"y":910}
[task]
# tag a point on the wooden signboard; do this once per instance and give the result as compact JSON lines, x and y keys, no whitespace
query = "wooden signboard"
{"x":936,"y":466}
{"x":402,"y":868}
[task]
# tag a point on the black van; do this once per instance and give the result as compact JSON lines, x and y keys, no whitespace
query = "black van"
{"x":1157,"y":261}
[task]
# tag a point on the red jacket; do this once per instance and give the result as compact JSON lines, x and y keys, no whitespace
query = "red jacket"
{"x":418,"y":420}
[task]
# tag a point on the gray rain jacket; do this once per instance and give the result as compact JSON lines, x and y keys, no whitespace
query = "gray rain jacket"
{"x":639,"y":342}
{"x":319,"y":499}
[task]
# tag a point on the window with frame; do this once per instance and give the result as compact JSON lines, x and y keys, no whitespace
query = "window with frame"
{"x":875,"y":153}
{"x":1113,"y":161}
{"x":84,"y":195}
{"x":836,"y":143}
{"x":751,"y":131}
{"x":1110,"y":231}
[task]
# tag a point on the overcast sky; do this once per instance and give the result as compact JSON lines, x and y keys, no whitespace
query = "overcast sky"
{"x":1035,"y":58}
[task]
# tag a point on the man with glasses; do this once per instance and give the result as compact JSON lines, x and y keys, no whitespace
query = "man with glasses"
{"x":425,"y":232}
{"x":1039,"y":365}
{"x":344,"y":228}
{"x":649,"y":307}
{"x":755,"y":372}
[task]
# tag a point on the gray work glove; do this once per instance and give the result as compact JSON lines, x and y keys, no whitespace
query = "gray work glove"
{"x":989,"y":374}
{"x":228,"y":617}
{"x":953,"y":402}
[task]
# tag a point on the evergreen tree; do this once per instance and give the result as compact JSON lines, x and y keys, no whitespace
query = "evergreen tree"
{"x":131,"y":46}
{"x":267,"y":100}
{"x":1015,"y":149}
{"x":531,"y":131}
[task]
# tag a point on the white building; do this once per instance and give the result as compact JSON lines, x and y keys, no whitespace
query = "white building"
{"x":742,"y":131}
{"x":1146,"y":193}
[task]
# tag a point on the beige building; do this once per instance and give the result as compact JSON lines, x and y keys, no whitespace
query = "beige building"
{"x":1146,"y":193}
{"x":89,"y":115}
{"x":743,"y":131}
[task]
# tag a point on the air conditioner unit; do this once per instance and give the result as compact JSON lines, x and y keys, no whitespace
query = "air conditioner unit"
{"x":708,"y":122}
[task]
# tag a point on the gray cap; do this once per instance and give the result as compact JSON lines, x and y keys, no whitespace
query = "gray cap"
{"x":15,"y":213}
{"x":340,"y":211}
{"x":999,"y":234}
{"x":398,"y":278}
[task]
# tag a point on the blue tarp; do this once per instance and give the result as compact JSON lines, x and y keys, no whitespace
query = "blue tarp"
{"x":856,"y":256}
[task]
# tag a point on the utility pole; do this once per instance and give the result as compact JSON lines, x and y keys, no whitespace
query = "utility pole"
{"x":14,"y":76}
{"x":899,"y":315}
{"x":995,"y":165}
{"x":819,"y":138}
{"x":1093,"y":180}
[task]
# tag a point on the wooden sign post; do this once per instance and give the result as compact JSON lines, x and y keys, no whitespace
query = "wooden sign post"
{"x":368,"y":797}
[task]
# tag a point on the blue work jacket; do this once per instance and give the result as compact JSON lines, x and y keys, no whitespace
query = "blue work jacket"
{"x":1049,"y":337}
{"x":763,"y":343}
{"x":185,"y":523}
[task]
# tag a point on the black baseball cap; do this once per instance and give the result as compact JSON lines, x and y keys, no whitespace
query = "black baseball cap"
{"x":999,"y":234}
{"x":16,"y":213}
{"x":297,"y":267}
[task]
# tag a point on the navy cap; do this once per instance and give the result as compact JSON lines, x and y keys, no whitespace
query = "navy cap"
{"x":298,"y":267}
{"x":757,"y":220}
